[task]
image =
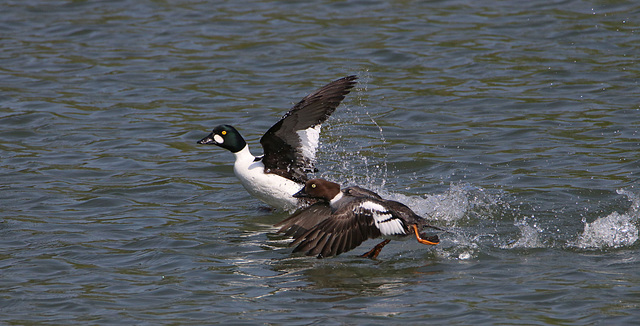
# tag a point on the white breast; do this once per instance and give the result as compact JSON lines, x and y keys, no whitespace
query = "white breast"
{"x":272,"y":189}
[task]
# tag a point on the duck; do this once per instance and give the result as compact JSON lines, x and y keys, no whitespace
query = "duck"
{"x":344,"y":218}
{"x":289,"y":148}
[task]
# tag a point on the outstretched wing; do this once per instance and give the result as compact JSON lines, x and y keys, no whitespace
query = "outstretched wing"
{"x":344,"y":230}
{"x":290,"y":145}
{"x":304,"y":219}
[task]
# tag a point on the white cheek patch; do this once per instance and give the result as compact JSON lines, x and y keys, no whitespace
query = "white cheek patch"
{"x":218,"y":139}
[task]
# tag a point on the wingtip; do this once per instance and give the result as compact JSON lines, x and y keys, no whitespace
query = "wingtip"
{"x":346,"y":83}
{"x":351,"y":79}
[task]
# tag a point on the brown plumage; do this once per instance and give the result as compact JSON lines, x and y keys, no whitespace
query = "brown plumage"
{"x":342,"y":220}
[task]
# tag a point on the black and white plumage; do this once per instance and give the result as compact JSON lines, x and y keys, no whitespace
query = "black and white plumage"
{"x":343,"y":219}
{"x":289,"y":147}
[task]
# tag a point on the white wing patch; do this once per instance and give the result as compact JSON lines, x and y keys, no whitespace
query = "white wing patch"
{"x":374,"y":207}
{"x":385,"y":222}
{"x":309,"y":140}
{"x":388,"y":225}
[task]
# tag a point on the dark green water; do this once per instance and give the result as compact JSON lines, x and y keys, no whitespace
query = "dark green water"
{"x":512,"y":123}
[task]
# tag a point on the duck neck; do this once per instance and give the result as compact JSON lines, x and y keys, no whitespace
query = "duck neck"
{"x":244,"y":154}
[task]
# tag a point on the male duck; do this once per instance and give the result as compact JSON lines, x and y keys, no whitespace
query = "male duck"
{"x":289,"y":147}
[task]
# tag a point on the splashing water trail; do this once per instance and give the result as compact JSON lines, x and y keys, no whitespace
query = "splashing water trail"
{"x":529,"y":235}
{"x":448,"y":207}
{"x":460,"y":204}
{"x":612,"y":231}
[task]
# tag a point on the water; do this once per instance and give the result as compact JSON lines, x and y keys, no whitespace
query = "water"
{"x":513,"y":124}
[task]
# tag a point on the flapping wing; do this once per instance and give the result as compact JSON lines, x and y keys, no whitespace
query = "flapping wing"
{"x":342,"y":232}
{"x":290,"y":145}
{"x":304,"y":219}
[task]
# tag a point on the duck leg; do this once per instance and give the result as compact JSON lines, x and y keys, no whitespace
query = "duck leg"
{"x":373,"y":253}
{"x":428,"y":241}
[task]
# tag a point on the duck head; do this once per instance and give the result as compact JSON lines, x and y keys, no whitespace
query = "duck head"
{"x":319,"y":189}
{"x":226,"y":137}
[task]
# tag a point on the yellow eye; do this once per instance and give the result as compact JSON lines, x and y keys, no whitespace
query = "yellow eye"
{"x":224,"y":132}
{"x":313,"y":185}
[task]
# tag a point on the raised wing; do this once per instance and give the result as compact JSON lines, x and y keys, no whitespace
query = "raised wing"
{"x":290,"y":145}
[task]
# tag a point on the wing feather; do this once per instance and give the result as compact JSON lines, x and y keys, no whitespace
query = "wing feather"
{"x":341,"y":232}
{"x":304,"y":219}
{"x":290,"y":145}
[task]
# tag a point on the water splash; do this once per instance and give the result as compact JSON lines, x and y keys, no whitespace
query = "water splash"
{"x":449,"y":206}
{"x":529,"y":235}
{"x":614,"y":230}
{"x":461,"y":247}
{"x":635,"y":201}
{"x":347,"y":154}
{"x":460,"y":204}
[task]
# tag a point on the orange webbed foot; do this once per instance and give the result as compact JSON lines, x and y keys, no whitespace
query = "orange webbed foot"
{"x":432,"y":240}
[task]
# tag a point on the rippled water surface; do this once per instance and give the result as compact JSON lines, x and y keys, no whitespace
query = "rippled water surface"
{"x":514,"y":124}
